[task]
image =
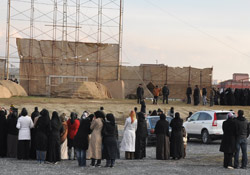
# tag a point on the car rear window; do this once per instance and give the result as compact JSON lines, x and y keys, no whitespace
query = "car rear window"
{"x":221,"y":116}
{"x":154,"y":121}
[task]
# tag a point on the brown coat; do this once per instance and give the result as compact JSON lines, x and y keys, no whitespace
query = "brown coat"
{"x":156,"y":91}
{"x":65,"y":132}
{"x":95,"y":144}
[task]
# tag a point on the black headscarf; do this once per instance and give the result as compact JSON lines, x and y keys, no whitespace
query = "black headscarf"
{"x":35,"y":113}
{"x":110,"y":117}
{"x":154,"y":113}
{"x":90,"y":117}
{"x":55,"y":121}
{"x":177,"y":122}
{"x":44,"y":119}
{"x":162,"y":117}
{"x":172,"y":109}
{"x":24,"y":112}
{"x":100,"y":114}
{"x":141,"y":117}
{"x":14,"y":113}
{"x":177,"y":115}
{"x":73,"y":117}
{"x":2,"y":113}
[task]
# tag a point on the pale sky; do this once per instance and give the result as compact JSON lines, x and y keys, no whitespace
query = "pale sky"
{"x":198,"y":33}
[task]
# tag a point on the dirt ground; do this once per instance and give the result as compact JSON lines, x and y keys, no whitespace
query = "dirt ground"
{"x":120,"y":108}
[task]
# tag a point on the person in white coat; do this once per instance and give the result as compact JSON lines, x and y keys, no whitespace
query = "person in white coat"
{"x":128,"y":140}
{"x":24,"y":124}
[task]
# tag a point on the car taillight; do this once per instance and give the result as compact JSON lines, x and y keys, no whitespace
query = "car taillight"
{"x":152,"y":131}
{"x":215,"y":120}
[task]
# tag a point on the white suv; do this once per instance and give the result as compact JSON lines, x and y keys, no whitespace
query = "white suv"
{"x":206,"y":125}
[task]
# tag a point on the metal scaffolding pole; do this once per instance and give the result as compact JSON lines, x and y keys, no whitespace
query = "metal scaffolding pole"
{"x":99,"y":39}
{"x":31,"y":28}
{"x":77,"y":29}
{"x":54,"y":37}
{"x":7,"y":54}
{"x":90,"y":21}
{"x":120,"y":39}
{"x":54,"y":20}
{"x":64,"y":30}
{"x":31,"y":41}
{"x":78,"y":2}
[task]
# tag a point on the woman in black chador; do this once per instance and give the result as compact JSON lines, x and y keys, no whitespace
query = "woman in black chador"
{"x":54,"y":151}
{"x":109,"y":133}
{"x":162,"y":138}
{"x":33,"y":135}
{"x":141,"y":136}
{"x":12,"y":138}
{"x":228,"y":143}
{"x":176,"y":140}
{"x":3,"y":133}
{"x":42,"y":127}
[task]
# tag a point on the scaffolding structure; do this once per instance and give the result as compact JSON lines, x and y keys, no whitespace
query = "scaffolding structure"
{"x":91,"y":21}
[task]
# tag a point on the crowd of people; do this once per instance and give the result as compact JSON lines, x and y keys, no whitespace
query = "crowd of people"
{"x":56,"y":138}
{"x":156,"y":93}
{"x":95,"y":137}
{"x":222,"y":96}
{"x":167,"y":145}
{"x":235,"y":134}
{"x":92,"y":136}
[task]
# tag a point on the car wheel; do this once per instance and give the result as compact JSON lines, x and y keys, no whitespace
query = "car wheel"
{"x":205,"y":137}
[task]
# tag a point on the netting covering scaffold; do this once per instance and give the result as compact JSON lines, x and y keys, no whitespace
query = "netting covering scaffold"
{"x":57,"y":42}
{"x":63,"y":21}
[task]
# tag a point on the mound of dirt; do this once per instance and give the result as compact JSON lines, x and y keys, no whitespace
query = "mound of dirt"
{"x":4,"y":92}
{"x":83,"y":90}
{"x":14,"y":89}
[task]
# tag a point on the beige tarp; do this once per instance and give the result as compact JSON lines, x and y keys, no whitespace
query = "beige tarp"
{"x":95,"y":61}
{"x":98,"y":62}
{"x":2,"y":65}
{"x":116,"y":89}
{"x":4,"y":92}
{"x":15,"y":89}
{"x":84,"y":90}
{"x":177,"y":78}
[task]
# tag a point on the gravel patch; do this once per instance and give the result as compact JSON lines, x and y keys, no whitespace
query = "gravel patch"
{"x":201,"y":159}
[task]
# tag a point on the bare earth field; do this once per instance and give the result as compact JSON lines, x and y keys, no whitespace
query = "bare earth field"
{"x":201,"y":159}
{"x":120,"y":108}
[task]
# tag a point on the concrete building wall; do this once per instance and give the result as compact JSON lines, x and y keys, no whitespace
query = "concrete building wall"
{"x":240,"y":77}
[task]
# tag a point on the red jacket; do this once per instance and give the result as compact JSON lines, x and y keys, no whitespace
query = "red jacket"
{"x":73,"y":128}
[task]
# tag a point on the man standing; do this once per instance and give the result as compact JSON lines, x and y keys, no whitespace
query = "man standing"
{"x":189,"y":93}
{"x":242,"y":133}
{"x":156,"y":93}
{"x":196,"y":95}
{"x":143,"y":106}
{"x":211,"y":97}
{"x":139,"y":93}
{"x":216,"y":96}
{"x":165,"y":93}
{"x":228,"y":143}
{"x":204,"y":96}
